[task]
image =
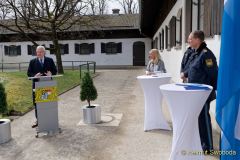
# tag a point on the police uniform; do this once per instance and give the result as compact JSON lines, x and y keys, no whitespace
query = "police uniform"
{"x":203,"y":69}
{"x":186,"y":61}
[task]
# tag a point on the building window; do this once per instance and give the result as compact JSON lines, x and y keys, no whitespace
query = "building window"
{"x":111,"y":48}
{"x":84,"y":48}
{"x":179,"y":28}
{"x":63,"y":49}
{"x":12,"y":50}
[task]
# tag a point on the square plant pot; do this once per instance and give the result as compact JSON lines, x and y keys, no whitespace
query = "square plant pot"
{"x":5,"y":130}
{"x":92,"y":115}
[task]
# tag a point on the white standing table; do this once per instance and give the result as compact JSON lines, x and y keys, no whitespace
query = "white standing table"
{"x":185,"y":102}
{"x":154,"y":118}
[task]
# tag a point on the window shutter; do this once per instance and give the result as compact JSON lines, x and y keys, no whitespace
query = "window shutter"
{"x":6,"y":50}
{"x":173,"y":32}
{"x":215,"y":16}
{"x":180,"y":29}
{"x":34,"y":50}
{"x":188,"y":23}
{"x":92,"y":48}
{"x":162,"y":39}
{"x":103,"y":47}
{"x":77,"y":48}
{"x":29,"y":50}
{"x":219,"y":16}
{"x":119,"y":47}
{"x":19,"y":50}
{"x":66,"y":49}
{"x":156,"y":43}
{"x":109,"y":47}
{"x":51,"y":49}
{"x":207,"y":18}
{"x":166,"y":37}
{"x":61,"y":48}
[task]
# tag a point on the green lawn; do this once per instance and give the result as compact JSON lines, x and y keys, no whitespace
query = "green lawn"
{"x":18,"y":88}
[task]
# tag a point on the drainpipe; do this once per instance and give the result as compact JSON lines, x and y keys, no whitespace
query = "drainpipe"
{"x":183,"y":26}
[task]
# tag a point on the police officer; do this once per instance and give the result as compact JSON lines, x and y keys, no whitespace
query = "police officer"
{"x":203,"y":69}
{"x":186,"y":60}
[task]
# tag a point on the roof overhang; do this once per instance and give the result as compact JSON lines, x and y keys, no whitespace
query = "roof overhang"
{"x":153,"y":13}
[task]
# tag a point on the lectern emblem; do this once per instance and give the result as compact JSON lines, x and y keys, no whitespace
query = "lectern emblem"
{"x":46,"y":94}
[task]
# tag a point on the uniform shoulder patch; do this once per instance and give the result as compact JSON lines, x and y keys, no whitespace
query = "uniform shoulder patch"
{"x":209,"y":62}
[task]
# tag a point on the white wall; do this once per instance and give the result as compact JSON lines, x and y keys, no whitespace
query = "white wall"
{"x":173,"y":58}
{"x":124,"y":58}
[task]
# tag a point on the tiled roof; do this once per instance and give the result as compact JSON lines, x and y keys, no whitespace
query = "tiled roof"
{"x":100,"y":22}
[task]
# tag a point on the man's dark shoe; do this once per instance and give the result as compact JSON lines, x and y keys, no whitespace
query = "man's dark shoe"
{"x":35,"y":125}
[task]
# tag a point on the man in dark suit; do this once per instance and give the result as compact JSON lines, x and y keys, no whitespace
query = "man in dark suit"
{"x":186,"y":60}
{"x":40,"y":66}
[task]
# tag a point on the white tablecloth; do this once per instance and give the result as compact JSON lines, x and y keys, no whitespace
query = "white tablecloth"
{"x":185,"y":106}
{"x":154,"y":118}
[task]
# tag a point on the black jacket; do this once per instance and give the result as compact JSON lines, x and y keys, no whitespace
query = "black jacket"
{"x":185,"y":61}
{"x":203,"y":68}
{"x":35,"y":67}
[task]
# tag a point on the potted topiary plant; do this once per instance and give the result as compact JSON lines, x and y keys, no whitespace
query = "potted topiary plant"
{"x":91,"y":112}
{"x":5,"y":128}
{"x":3,"y":100}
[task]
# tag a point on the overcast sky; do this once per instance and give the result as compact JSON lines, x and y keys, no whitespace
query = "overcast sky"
{"x":112,"y":4}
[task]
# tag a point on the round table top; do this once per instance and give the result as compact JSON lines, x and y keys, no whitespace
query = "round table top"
{"x":186,"y":87}
{"x":153,"y":76}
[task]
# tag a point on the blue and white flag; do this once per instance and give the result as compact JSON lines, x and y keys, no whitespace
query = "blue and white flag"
{"x":228,"y":91}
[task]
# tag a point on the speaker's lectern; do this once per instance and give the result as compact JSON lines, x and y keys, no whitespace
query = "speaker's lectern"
{"x":46,"y":99}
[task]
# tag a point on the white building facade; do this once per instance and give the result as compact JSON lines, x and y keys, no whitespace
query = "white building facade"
{"x":123,"y":58}
{"x":117,"y":42}
{"x":173,"y":21}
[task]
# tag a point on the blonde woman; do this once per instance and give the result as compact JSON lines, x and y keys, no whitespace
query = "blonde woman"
{"x":155,"y":63}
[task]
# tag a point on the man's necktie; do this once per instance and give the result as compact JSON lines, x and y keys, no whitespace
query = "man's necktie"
{"x":41,"y":62}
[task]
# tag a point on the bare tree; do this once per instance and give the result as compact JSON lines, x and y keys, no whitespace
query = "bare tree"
{"x":98,"y":7}
{"x":102,"y":6}
{"x":4,"y":10}
{"x":129,"y":6}
{"x":46,"y":18}
{"x":93,"y":7}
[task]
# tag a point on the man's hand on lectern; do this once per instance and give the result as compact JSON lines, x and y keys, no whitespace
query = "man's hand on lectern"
{"x":38,"y":74}
{"x":48,"y":73}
